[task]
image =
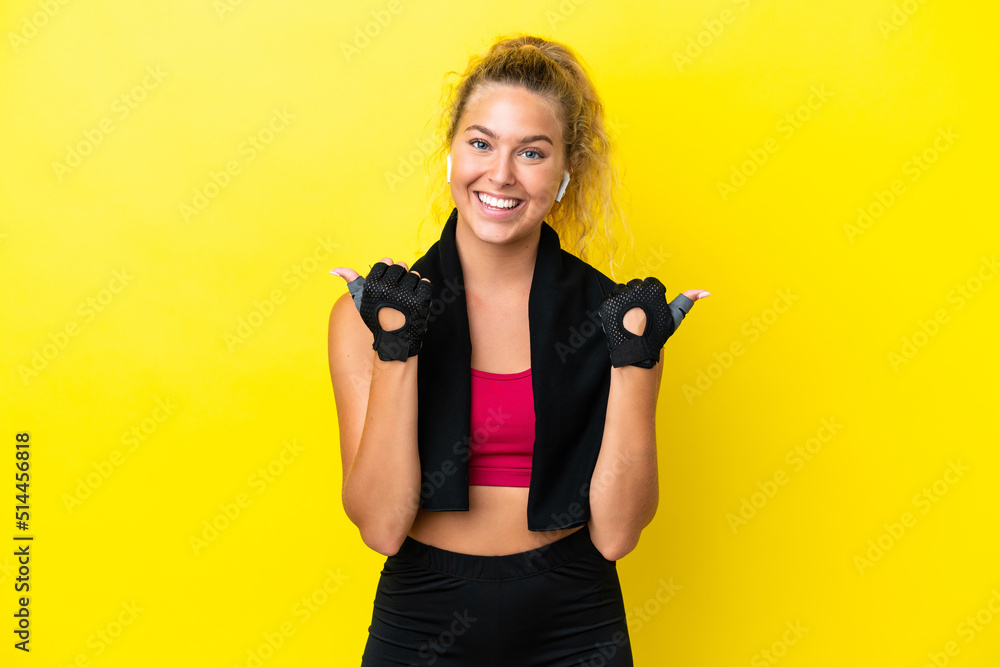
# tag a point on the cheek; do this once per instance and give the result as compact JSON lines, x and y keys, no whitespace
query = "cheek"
{"x":546,"y":184}
{"x":463,"y":172}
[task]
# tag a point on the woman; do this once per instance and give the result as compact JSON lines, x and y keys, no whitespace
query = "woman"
{"x":504,"y":495}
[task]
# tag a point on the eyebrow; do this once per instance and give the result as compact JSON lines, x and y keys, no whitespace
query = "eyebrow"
{"x":525,"y":140}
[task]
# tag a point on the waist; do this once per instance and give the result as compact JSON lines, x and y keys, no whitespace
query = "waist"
{"x":506,"y":566}
{"x":495,"y":524}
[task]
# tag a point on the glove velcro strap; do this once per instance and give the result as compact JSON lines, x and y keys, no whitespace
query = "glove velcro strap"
{"x":391,"y":347}
{"x":632,"y":352}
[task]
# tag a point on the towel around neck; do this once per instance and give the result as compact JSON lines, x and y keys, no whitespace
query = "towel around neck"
{"x":570,"y":380}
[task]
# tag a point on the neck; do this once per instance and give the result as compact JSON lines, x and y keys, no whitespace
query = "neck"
{"x":490,"y":268}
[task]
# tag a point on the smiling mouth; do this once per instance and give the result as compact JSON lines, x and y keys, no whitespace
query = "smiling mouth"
{"x":498,"y":203}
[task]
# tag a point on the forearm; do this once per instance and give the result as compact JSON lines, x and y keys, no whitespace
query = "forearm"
{"x":381,"y":490}
{"x":624,"y":489}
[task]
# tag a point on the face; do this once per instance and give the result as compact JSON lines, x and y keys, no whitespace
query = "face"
{"x":508,"y":149}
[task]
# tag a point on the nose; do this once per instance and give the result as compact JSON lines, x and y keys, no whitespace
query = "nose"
{"x":501,"y":171}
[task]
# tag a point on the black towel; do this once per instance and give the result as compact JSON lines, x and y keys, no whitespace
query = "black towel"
{"x":570,"y":379}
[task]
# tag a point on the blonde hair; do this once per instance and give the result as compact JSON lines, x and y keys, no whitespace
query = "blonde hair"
{"x":591,"y":206}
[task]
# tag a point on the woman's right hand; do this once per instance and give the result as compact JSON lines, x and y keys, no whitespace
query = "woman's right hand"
{"x":394,"y":304}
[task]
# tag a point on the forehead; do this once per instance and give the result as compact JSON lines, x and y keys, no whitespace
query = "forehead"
{"x":512,"y":108}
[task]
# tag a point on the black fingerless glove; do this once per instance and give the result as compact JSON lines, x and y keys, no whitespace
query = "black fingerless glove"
{"x":662,"y":319}
{"x":397,"y":288}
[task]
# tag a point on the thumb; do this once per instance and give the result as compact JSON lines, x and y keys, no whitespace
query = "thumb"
{"x":355,"y":283}
{"x":347,"y":274}
{"x":683,"y":303}
{"x":695,"y":294}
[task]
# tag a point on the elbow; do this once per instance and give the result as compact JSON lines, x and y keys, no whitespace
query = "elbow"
{"x":381,"y":530}
{"x":617,"y":551}
{"x":617,"y":536}
{"x":617,"y":539}
{"x":615,"y":547}
{"x":384,"y":543}
{"x":378,"y":535}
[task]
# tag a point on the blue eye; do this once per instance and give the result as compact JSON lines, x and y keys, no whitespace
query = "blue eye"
{"x":482,"y":145}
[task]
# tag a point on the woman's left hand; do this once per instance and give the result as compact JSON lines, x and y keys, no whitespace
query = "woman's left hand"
{"x":635,"y":319}
{"x":624,"y":314}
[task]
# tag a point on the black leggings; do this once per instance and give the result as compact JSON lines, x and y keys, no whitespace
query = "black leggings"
{"x":558,"y":606}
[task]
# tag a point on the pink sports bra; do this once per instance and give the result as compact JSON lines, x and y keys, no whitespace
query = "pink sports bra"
{"x":502,"y":429}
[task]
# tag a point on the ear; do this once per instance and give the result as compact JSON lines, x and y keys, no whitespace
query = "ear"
{"x":447,"y":177}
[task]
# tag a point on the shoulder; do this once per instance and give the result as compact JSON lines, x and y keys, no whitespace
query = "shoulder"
{"x":592,"y":277}
{"x":348,"y":334}
{"x":425,"y":261}
{"x":344,"y":312}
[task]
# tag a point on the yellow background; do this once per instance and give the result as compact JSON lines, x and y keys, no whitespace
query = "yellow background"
{"x":118,"y":302}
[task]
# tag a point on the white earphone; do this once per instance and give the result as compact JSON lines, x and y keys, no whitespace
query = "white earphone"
{"x":562,"y":186}
{"x":559,"y":195}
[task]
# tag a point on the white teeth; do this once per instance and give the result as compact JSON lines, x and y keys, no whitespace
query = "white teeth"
{"x":497,"y":203}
